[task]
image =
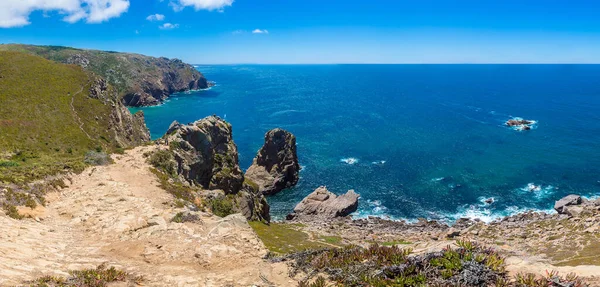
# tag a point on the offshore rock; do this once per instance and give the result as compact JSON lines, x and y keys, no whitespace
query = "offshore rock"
{"x":275,"y":167}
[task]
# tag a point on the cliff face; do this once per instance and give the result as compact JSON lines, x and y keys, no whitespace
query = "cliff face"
{"x":139,"y":80}
{"x":207,"y":157}
{"x":127,"y":130}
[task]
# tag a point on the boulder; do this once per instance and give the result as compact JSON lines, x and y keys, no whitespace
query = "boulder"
{"x":206,"y":154}
{"x":275,"y":167}
{"x":323,"y":203}
{"x":568,"y":200}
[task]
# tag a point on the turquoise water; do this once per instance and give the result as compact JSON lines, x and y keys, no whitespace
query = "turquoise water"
{"x":414,"y":140}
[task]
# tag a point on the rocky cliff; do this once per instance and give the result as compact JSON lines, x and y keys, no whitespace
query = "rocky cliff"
{"x":139,"y":80}
{"x":127,"y":130}
{"x":206,"y":157}
{"x":275,"y":167}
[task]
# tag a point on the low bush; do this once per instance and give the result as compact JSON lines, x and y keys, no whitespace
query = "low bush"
{"x":164,"y":161}
{"x":97,"y":158}
{"x":222,"y":206}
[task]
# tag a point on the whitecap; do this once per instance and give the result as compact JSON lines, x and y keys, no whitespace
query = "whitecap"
{"x":538,"y":191}
{"x":379,"y":162}
{"x":437,"y":179}
{"x":349,"y":160}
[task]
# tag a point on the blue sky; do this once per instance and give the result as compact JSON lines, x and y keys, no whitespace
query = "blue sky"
{"x":310,"y":31}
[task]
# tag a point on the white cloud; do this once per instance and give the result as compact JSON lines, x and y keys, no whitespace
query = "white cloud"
{"x":15,"y":13}
{"x":168,"y":26}
{"x":209,"y":5}
{"x":259,"y":31}
{"x":156,"y":17}
{"x":237,"y":32}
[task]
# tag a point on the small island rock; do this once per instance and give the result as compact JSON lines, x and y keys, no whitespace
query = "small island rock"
{"x":323,"y":203}
{"x":275,"y":167}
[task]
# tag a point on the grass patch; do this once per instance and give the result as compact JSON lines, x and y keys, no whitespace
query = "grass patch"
{"x":11,"y":211}
{"x":283,"y":238}
{"x":43,"y":106}
{"x":335,"y":240}
{"x":99,"y":277}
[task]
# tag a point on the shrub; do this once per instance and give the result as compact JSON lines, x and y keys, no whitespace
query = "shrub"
{"x":97,"y":158}
{"x":99,"y":277}
{"x":164,"y":161}
{"x":182,"y":217}
{"x":12,"y":211}
{"x":8,"y":164}
{"x":222,"y":206}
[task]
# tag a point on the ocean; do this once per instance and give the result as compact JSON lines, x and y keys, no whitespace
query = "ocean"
{"x":414,"y":140}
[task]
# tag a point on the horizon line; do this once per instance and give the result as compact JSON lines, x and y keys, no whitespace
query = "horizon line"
{"x":324,"y":64}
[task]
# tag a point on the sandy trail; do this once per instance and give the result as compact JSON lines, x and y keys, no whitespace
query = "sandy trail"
{"x":116,"y":214}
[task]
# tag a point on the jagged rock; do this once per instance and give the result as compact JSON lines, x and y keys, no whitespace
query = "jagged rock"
{"x":252,"y":204}
{"x":518,"y":122}
{"x":128,"y":130}
{"x":206,"y":154}
{"x":323,"y":203}
{"x":452,"y":232}
{"x":572,"y":199}
{"x":275,"y":167}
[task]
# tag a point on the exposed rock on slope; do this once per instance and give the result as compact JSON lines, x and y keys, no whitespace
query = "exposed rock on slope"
{"x":117,"y":215}
{"x":140,"y":80}
{"x":323,"y":203}
{"x":275,"y":167}
{"x":127,"y":129}
{"x":564,"y":204}
{"x":206,"y":156}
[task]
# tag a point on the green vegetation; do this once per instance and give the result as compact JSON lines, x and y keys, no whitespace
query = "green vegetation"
{"x":99,"y":277}
{"x":282,"y":238}
{"x":178,"y":190}
{"x":182,"y":217}
{"x":123,"y":71}
{"x":44,"y":104}
{"x":467,"y":264}
{"x":334,"y":240}
{"x":164,"y":161}
{"x":222,"y":206}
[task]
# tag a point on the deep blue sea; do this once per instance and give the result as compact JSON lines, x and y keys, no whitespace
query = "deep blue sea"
{"x":414,"y":140}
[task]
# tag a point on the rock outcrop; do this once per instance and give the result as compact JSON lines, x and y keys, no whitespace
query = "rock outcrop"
{"x":140,"y":80}
{"x":128,"y":130}
{"x":520,"y":124}
{"x":323,"y":203}
{"x":275,"y":167}
{"x":206,"y":156}
{"x":562,"y":205}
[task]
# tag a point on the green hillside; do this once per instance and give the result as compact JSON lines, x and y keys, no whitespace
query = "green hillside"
{"x":47,"y":121}
{"x":141,"y":80}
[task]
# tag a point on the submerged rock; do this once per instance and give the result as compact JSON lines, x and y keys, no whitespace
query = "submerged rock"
{"x":275,"y":167}
{"x":323,"y":203}
{"x":569,"y":200}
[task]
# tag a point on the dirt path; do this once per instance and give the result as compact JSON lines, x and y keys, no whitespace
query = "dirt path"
{"x":116,"y":214}
{"x":76,"y":115}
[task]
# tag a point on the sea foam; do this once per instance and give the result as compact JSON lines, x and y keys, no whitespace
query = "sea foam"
{"x":349,"y":160}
